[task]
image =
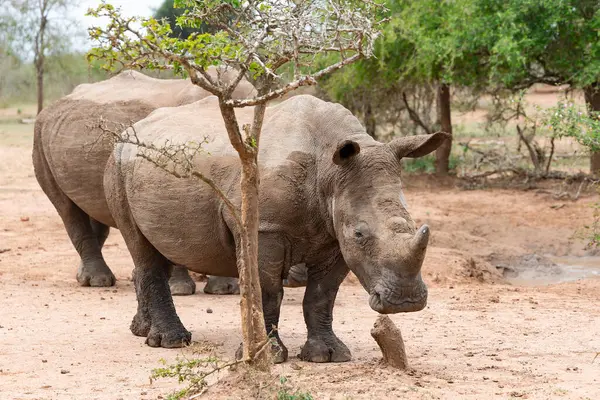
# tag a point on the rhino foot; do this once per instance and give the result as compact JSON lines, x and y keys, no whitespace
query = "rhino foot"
{"x":170,"y":339}
{"x":317,"y":350}
{"x":180,"y":282}
{"x":221,"y":285}
{"x":182,"y":287}
{"x":95,"y":273}
{"x":278,"y":351}
{"x":140,"y":326}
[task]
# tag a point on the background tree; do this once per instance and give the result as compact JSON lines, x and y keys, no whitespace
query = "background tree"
{"x":252,"y":40}
{"x":524,"y":42}
{"x":38,"y":28}
{"x":420,"y":56}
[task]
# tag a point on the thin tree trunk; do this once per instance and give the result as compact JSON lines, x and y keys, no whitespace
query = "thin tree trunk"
{"x":253,"y":323}
{"x":370,"y":123}
{"x":40,"y":89}
{"x":442,"y":154}
{"x":254,"y":333}
{"x":592,"y":100}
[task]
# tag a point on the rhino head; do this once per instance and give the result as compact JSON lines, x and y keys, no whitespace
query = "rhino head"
{"x":377,"y":236}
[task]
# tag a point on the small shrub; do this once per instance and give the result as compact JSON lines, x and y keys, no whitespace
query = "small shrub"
{"x":284,"y":392}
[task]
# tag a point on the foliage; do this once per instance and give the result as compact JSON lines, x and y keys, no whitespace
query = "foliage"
{"x":63,"y":73}
{"x":166,"y":10}
{"x":263,"y":38}
{"x":191,"y":372}
{"x":567,"y":119}
{"x":284,"y":392}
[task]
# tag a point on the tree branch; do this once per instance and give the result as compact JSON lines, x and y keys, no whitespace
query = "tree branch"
{"x":414,"y":116}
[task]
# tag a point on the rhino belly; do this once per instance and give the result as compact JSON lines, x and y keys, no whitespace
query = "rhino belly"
{"x":181,"y":219}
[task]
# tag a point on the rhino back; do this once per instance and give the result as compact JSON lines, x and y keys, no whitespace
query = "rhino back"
{"x":77,"y":152}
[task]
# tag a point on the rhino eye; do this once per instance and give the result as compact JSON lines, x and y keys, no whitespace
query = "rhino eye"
{"x":361,"y":231}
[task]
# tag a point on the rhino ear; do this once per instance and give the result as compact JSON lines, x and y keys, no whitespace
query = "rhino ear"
{"x":417,"y":145}
{"x":345,"y":150}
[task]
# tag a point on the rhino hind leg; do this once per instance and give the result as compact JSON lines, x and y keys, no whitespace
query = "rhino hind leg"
{"x":86,"y":234}
{"x":95,"y":272}
{"x":180,"y":282}
{"x":297,"y":276}
{"x":221,"y":285}
{"x":322,"y":345}
{"x":156,"y":317}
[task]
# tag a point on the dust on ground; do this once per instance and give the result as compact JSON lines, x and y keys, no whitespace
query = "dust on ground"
{"x":480,"y":337}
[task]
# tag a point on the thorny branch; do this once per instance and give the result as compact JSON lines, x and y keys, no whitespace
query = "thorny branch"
{"x":255,"y":39}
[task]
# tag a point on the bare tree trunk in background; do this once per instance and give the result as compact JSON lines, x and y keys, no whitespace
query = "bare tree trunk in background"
{"x":39,"y":56}
{"x":592,"y":100}
{"x":40,"y":88}
{"x":442,"y":154}
{"x":370,"y":123}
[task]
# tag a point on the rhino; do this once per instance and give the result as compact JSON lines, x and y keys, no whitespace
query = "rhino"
{"x":69,"y":157}
{"x":330,"y":198}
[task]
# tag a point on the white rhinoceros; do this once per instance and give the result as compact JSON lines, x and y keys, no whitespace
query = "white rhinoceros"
{"x":330,"y":197}
{"x":69,"y":157}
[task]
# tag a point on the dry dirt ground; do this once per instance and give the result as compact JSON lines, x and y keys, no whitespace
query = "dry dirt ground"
{"x":480,"y":337}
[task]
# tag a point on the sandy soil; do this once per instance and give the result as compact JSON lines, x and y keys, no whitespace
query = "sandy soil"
{"x":480,"y":337}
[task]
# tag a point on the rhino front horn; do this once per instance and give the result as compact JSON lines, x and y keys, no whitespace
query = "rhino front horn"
{"x":421,"y":239}
{"x":418,"y":246}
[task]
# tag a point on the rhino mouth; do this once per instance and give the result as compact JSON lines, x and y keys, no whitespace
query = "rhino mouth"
{"x":386,"y":301}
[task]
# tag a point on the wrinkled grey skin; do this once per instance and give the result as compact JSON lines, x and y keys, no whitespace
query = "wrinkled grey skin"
{"x":69,"y":159}
{"x":330,"y":197}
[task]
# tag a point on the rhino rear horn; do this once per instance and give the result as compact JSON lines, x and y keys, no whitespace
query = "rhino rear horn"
{"x":417,"y":145}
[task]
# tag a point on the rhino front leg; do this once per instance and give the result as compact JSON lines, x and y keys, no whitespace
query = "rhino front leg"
{"x":181,"y":283}
{"x":322,"y":344}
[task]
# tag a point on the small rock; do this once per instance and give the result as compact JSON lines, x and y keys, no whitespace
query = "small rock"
{"x":295,"y":366}
{"x":143,"y":393}
{"x":64,"y":371}
{"x":24,"y":219}
{"x":44,"y":361}
{"x":102,"y":298}
{"x":209,"y":311}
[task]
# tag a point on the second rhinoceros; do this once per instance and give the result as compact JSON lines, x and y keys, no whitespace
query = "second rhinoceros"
{"x":330,"y":197}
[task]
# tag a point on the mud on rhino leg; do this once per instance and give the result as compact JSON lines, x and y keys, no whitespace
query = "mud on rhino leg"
{"x":86,"y":234}
{"x":156,"y":317}
{"x":322,"y":344}
{"x":180,"y":282}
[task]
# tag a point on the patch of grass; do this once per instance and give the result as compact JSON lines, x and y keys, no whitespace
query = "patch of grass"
{"x":426,"y":164}
{"x":16,"y":134}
